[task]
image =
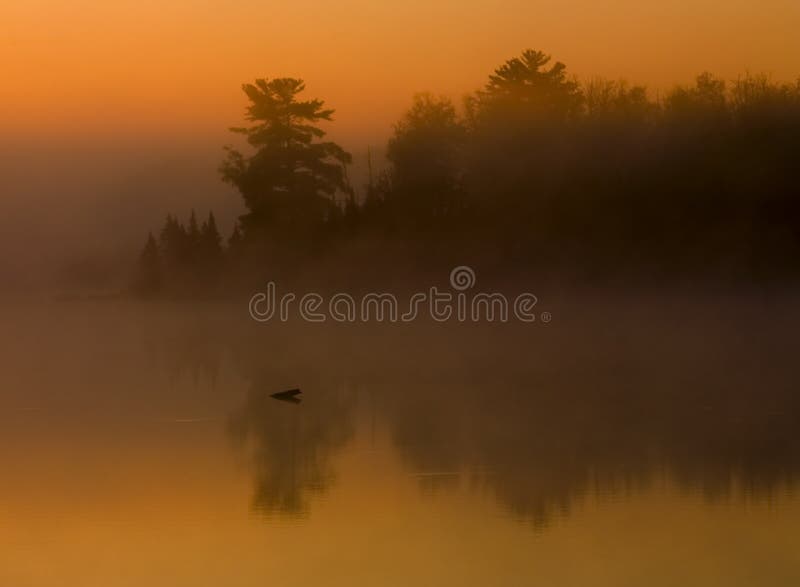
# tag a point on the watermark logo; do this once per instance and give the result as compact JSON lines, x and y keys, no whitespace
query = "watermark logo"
{"x":462,"y":278}
{"x":459,"y":305}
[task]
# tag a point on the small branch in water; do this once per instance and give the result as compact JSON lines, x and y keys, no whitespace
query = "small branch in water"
{"x":290,"y":395}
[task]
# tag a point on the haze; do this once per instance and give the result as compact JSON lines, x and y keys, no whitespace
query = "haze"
{"x":119,"y":110}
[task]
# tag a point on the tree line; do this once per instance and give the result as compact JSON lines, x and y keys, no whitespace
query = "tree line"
{"x":540,"y":167}
{"x":183,"y":259}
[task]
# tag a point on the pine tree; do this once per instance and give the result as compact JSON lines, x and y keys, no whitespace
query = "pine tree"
{"x":210,"y":239}
{"x":291,"y":180}
{"x":174,"y":243}
{"x":525,"y":91}
{"x":236,"y":239}
{"x":148,"y":280}
{"x":193,"y":231}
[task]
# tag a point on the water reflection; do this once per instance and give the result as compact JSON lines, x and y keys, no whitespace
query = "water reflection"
{"x":540,"y":451}
{"x":538,"y":422}
{"x":633,"y":440}
{"x":290,"y":445}
{"x":537,"y":451}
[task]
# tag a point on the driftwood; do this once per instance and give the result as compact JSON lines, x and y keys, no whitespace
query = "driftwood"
{"x":290,"y":395}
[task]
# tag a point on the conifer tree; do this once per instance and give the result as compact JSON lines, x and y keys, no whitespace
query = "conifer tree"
{"x":235,"y":240}
{"x":210,"y":239}
{"x":149,"y":278}
{"x":290,"y":182}
{"x":193,"y":232}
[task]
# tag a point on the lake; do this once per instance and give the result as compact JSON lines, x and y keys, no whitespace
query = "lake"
{"x":637,"y":439}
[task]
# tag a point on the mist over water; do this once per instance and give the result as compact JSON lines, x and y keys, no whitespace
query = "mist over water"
{"x":74,"y":210}
{"x":141,"y":441}
{"x":598,"y":386}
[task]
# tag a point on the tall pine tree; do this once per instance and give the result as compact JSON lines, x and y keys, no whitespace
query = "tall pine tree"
{"x":289,"y":183}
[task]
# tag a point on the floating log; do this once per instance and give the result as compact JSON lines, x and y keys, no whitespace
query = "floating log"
{"x":290,"y":395}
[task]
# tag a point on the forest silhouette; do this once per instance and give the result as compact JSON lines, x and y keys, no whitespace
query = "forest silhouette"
{"x":537,"y":170}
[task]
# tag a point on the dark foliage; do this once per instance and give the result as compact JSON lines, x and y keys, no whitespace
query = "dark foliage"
{"x":546,"y":171}
{"x":290,"y":182}
{"x":184,"y":261}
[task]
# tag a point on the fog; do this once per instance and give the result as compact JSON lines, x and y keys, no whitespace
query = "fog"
{"x":76,"y":210}
{"x":131,"y":432}
{"x":114,"y":115}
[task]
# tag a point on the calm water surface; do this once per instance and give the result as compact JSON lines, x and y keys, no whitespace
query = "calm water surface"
{"x":642,"y":441}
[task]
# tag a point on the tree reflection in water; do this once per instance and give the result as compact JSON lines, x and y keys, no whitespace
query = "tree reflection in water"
{"x":291,"y":445}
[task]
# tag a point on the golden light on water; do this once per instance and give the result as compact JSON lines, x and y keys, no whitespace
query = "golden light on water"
{"x":642,"y":430}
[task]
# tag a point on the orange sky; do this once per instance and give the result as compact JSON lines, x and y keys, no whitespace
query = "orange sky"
{"x":148,"y":67}
{"x":114,"y":112}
